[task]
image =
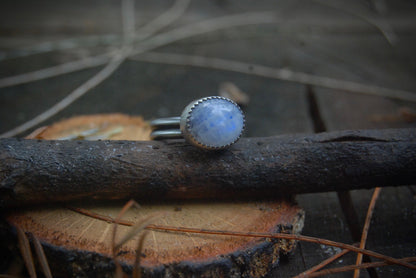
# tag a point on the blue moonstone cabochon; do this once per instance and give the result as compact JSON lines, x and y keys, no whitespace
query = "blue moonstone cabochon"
{"x":215,"y":122}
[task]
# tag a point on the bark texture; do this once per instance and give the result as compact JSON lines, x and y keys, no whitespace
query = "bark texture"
{"x":37,"y":171}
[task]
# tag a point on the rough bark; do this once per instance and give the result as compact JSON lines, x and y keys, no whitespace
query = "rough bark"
{"x":36,"y":171}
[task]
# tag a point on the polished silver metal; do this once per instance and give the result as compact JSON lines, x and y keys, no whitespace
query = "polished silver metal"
{"x":179,"y":127}
{"x":166,"y":134}
{"x":171,"y":121}
{"x":171,"y":128}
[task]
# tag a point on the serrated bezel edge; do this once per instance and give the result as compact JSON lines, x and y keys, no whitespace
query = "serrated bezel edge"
{"x":185,"y":123}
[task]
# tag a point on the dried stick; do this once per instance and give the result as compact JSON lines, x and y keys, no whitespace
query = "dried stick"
{"x":126,"y":207}
{"x":113,"y":39}
{"x":144,"y":32}
{"x":65,"y":68}
{"x":162,"y":21}
{"x":42,"y":171}
{"x":111,"y":67}
{"x":135,"y":230}
{"x":154,"y":42}
{"x":222,"y":64}
{"x":348,"y":247}
{"x":69,"y":99}
{"x":94,"y":40}
{"x":218,"y":64}
{"x":62,"y":45}
{"x":366,"y":227}
{"x":275,"y":73}
{"x":128,"y":20}
{"x":353,"y":267}
{"x":24,"y":247}
{"x":42,"y":257}
{"x":322,"y":264}
{"x":103,"y":74}
{"x":98,"y":216}
{"x":137,"y":270}
{"x":158,"y":40}
{"x":285,"y":236}
{"x":118,"y":220}
{"x":383,"y":26}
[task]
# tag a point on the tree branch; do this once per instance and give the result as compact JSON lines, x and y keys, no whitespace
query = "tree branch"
{"x":42,"y":171}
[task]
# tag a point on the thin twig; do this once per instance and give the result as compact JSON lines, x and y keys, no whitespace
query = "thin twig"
{"x":65,"y":68}
{"x":366,"y":227}
{"x":69,"y":99}
{"x":41,"y":257}
{"x":322,"y":264}
{"x":162,"y":21}
{"x":352,"y":267}
{"x":100,"y":217}
{"x":242,"y":234}
{"x":128,"y":20}
{"x":137,"y":228}
{"x":114,"y":39}
{"x":275,"y":73}
{"x":110,"y":68}
{"x":284,"y":236}
{"x":154,"y":42}
{"x":203,"y":27}
{"x":383,"y":26}
{"x":347,"y":205}
{"x":24,"y":247}
{"x":126,"y":207}
{"x":110,"y":39}
{"x":223,"y":64}
{"x":146,"y":31}
{"x":136,"y":270}
{"x":117,"y":221}
{"x":219,"y":64}
{"x":61,"y":45}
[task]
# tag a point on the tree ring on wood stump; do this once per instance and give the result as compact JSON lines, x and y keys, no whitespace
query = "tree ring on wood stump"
{"x":80,"y":245}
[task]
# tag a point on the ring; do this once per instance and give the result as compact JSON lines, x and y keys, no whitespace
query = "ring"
{"x":210,"y":123}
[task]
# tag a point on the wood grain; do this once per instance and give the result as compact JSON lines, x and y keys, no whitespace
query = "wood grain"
{"x":74,"y":238}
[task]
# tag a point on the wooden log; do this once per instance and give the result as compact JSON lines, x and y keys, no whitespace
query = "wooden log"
{"x":35,"y":171}
{"x":80,"y":246}
{"x":78,"y":243}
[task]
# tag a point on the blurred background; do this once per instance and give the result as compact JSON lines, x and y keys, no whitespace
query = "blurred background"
{"x":295,"y":66}
{"x":48,"y":49}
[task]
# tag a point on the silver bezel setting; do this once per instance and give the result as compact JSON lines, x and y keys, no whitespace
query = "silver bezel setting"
{"x":185,"y":123}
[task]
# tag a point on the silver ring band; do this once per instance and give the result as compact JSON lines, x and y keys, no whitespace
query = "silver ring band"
{"x":172,"y":121}
{"x":166,"y":134}
{"x":166,"y":128}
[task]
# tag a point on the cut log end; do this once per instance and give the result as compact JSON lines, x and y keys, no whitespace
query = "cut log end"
{"x":69,"y":236}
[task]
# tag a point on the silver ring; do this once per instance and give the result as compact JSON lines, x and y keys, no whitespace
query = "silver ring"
{"x":209,"y":123}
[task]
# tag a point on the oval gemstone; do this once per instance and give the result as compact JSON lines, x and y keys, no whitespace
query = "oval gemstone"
{"x":216,"y":122}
